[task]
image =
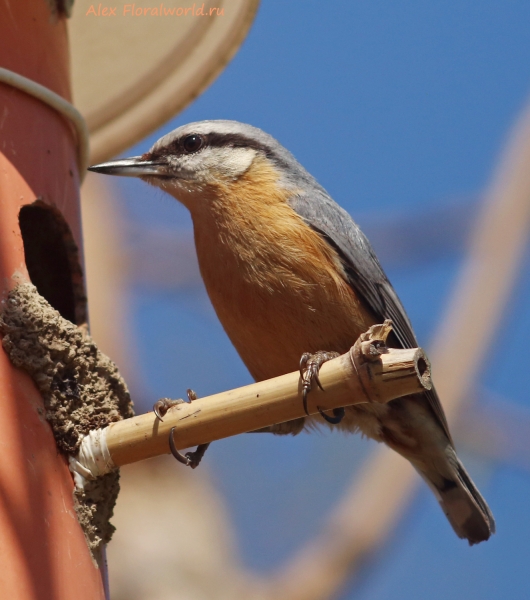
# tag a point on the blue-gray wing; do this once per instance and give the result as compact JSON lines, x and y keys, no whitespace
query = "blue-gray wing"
{"x":364,"y":273}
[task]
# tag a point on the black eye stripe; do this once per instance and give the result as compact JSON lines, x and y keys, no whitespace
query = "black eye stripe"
{"x":236,"y":140}
{"x":214,"y":140}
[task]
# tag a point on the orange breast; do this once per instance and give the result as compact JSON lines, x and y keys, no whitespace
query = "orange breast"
{"x":278,"y":288}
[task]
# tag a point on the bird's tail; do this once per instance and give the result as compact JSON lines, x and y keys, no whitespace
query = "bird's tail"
{"x":464,"y":506}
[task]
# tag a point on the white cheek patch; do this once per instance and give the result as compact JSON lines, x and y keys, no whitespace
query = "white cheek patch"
{"x":223,"y":163}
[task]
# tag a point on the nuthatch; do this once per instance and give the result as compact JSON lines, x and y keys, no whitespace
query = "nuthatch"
{"x":289,"y":272}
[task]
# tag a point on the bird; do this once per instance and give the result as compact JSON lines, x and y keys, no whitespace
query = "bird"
{"x":290,"y":276}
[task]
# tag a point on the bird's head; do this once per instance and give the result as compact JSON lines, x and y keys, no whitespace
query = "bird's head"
{"x":199,"y":158}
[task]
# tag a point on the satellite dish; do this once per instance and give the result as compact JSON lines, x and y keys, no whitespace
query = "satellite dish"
{"x":134,"y":67}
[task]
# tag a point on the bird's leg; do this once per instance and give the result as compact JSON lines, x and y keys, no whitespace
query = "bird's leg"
{"x":196,"y":457}
{"x":191,"y":459}
{"x":309,"y":369}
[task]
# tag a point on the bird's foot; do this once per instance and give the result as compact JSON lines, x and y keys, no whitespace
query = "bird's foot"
{"x":309,"y":369}
{"x":161,"y":407}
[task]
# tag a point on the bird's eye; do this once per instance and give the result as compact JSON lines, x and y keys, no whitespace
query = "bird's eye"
{"x":192,"y":143}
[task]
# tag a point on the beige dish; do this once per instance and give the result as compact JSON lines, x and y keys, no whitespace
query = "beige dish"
{"x":136,"y":65}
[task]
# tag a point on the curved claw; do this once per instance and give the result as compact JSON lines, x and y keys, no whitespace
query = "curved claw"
{"x":338,"y":415}
{"x":303,"y":362}
{"x":317,"y":379}
{"x":160,"y":408}
{"x":157,"y":413}
{"x":305,"y":392}
{"x":185,"y":460}
{"x":191,"y":459}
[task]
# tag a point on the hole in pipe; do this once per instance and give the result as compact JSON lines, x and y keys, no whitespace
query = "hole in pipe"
{"x":52,"y":259}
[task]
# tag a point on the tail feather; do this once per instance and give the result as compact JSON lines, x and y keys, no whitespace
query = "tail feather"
{"x":462,"y":503}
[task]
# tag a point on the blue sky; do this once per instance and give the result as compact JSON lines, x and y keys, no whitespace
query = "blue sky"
{"x":400,"y":110}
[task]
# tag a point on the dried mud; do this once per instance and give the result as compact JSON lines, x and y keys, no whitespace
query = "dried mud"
{"x":81,"y":388}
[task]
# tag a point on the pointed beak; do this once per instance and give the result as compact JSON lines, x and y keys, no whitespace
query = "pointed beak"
{"x":131,"y":167}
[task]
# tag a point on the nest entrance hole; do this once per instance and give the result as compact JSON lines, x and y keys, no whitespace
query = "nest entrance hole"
{"x":52,"y":259}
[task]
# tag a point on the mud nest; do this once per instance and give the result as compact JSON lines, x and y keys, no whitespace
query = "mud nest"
{"x":81,"y":388}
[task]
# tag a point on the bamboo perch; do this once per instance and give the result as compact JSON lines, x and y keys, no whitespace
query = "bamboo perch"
{"x":369,"y":372}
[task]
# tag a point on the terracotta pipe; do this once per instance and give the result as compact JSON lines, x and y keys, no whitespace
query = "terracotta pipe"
{"x":42,"y":548}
